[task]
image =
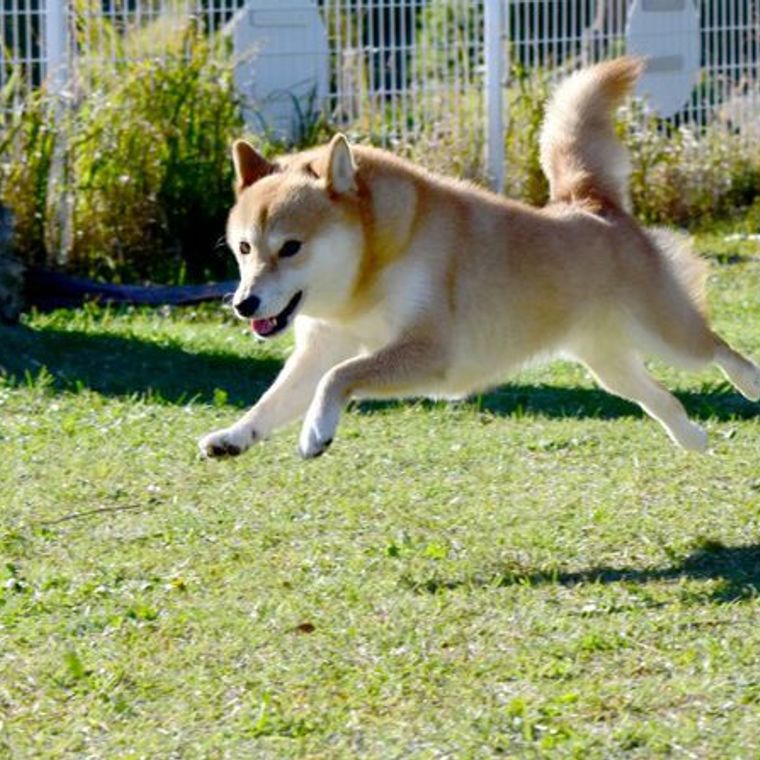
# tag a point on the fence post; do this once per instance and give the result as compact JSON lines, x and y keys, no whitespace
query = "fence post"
{"x":56,"y":43}
{"x":494,"y":80}
{"x":58,"y":207}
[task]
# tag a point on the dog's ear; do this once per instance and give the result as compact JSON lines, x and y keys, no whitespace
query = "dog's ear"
{"x":341,"y":169}
{"x":250,"y":166}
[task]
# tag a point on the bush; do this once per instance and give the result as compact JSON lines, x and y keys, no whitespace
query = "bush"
{"x":130,"y":178}
{"x":526,"y":99}
{"x":686,"y":177}
{"x":690,"y":176}
{"x":11,"y":272}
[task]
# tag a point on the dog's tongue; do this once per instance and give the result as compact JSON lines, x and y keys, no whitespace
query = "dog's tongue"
{"x":263,"y":326}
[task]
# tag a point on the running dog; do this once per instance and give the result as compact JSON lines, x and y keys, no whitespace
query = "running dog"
{"x":400,"y":282}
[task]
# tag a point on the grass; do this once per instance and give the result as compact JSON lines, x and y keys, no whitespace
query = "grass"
{"x":534,"y":573}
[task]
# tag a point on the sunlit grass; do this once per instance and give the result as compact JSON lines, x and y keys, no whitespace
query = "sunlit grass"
{"x":536,"y":572}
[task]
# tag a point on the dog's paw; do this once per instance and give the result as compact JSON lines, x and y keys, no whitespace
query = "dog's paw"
{"x":318,"y":432}
{"x":312,"y":446}
{"x":229,"y":442}
{"x":693,"y":438}
{"x":750,"y":386}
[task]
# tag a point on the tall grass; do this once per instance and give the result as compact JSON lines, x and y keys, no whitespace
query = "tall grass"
{"x":690,"y":177}
{"x":526,"y":98}
{"x":128,"y":176}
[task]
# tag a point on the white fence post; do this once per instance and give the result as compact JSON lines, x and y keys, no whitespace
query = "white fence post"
{"x":56,"y":43}
{"x":494,"y":81}
{"x":59,"y":222}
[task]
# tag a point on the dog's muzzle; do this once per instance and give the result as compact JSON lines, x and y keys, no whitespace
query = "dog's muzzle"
{"x":266,"y":327}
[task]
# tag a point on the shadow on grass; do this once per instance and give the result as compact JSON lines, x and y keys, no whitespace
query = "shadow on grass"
{"x":516,"y":400}
{"x":721,"y":403}
{"x":737,"y":568}
{"x":122,"y":366}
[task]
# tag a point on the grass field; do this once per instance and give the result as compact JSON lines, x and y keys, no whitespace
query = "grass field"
{"x":536,"y":572}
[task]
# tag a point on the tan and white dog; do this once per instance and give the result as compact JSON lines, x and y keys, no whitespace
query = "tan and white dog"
{"x":403,"y":283}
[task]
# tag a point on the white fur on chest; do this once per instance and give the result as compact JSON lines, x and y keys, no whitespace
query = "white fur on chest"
{"x":404,"y":293}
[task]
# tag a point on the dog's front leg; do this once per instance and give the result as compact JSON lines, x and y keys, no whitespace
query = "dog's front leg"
{"x":404,"y":368}
{"x":318,"y":348}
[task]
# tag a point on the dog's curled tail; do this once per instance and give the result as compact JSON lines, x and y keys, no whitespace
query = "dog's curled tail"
{"x":580,"y":153}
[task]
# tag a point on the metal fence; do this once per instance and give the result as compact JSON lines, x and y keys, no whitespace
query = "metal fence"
{"x":401,"y":71}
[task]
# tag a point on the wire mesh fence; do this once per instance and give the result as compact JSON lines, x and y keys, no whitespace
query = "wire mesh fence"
{"x":400,"y":71}
{"x":23,"y":51}
{"x":558,"y":36}
{"x":407,"y":68}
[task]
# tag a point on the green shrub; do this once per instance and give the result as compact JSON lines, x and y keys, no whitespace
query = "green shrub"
{"x":689,"y":176}
{"x":11,"y":272}
{"x":686,"y":177}
{"x":526,"y":99}
{"x":131,"y":178}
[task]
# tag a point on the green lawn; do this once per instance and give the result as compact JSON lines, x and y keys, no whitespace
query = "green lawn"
{"x":537,"y":572}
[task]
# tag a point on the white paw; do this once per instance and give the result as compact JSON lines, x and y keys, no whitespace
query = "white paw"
{"x":751,"y":387}
{"x":318,"y":430}
{"x":743,"y":373}
{"x":228,"y":442}
{"x":693,"y":438}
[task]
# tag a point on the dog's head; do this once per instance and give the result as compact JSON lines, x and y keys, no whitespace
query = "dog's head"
{"x":296,"y":233}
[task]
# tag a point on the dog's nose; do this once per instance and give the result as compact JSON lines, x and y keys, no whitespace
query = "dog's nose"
{"x":248,"y":307}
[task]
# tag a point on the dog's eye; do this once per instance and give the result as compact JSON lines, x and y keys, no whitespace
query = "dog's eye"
{"x":290,"y":248}
{"x":244,"y":248}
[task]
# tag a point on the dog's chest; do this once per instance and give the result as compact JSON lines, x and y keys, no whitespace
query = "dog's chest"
{"x":404,"y":292}
{"x":373,"y":329}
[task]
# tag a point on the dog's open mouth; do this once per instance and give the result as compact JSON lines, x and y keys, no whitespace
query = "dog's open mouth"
{"x":266,"y":327}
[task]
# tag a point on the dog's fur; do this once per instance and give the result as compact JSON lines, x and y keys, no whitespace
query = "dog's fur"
{"x":416,"y":285}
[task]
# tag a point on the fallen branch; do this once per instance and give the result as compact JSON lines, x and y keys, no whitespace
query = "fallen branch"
{"x":91,"y":513}
{"x":47,"y":290}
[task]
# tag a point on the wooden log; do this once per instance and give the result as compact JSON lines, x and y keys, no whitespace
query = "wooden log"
{"x":47,"y":289}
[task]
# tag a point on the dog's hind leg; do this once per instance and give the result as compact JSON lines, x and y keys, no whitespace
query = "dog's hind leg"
{"x":743,"y":373}
{"x":624,"y":374}
{"x":672,"y":323}
{"x":691,"y":344}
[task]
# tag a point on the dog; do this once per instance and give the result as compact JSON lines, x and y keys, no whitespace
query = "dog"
{"x":400,"y":282}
